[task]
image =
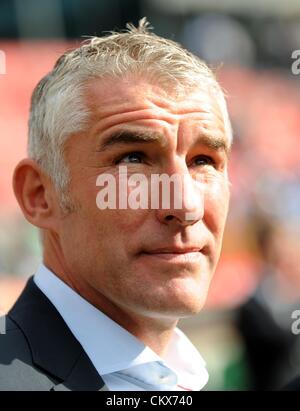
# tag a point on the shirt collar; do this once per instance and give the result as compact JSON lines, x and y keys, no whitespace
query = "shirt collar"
{"x":109,"y":346}
{"x":183,"y":358}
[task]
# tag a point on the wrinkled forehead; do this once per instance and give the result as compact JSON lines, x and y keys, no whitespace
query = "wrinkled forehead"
{"x":132,"y":93}
{"x":134,"y":89}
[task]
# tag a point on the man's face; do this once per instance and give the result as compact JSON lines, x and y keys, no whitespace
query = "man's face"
{"x":152,"y":262}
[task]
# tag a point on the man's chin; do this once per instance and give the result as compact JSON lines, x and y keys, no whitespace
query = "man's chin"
{"x":188,"y":295}
{"x":176,"y":308}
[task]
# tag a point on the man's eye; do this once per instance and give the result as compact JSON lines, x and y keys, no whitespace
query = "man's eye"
{"x":203,"y":161}
{"x":134,"y":157}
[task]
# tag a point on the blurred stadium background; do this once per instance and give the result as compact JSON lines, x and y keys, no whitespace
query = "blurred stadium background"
{"x":245,"y":331}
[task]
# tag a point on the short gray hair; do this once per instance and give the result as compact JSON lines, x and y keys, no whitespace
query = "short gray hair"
{"x":58,"y":107}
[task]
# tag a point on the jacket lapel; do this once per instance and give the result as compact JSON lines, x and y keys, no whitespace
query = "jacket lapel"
{"x":83,"y":377}
{"x":53,"y":346}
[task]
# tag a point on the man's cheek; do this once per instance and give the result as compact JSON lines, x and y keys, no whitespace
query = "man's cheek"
{"x":222,"y":196}
{"x":129,"y":221}
{"x":217,"y":202}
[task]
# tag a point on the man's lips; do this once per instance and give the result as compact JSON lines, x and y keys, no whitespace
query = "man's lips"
{"x":174,"y":250}
{"x":176,"y":254}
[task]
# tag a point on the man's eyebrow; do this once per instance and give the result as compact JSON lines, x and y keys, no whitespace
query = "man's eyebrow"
{"x":128,"y":137}
{"x":214,"y":143}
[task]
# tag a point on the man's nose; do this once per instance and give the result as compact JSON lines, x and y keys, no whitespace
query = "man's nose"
{"x":186,"y":206}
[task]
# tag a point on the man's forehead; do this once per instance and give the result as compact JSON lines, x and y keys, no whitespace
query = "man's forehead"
{"x":135,"y":90}
{"x":123,"y":101}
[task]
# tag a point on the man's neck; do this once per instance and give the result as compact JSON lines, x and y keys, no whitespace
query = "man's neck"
{"x":154,"y":330}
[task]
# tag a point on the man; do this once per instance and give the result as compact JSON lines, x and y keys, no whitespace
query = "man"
{"x":101,"y":311}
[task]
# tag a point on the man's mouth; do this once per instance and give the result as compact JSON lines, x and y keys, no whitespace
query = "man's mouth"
{"x":176,"y":254}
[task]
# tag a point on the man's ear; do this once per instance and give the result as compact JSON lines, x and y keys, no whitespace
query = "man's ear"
{"x":35,"y":194}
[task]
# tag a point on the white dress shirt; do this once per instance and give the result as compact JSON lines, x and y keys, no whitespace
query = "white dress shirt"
{"x":123,"y":362}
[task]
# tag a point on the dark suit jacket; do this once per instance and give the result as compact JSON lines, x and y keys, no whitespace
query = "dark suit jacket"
{"x":38,"y":352}
{"x":294,"y":385}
